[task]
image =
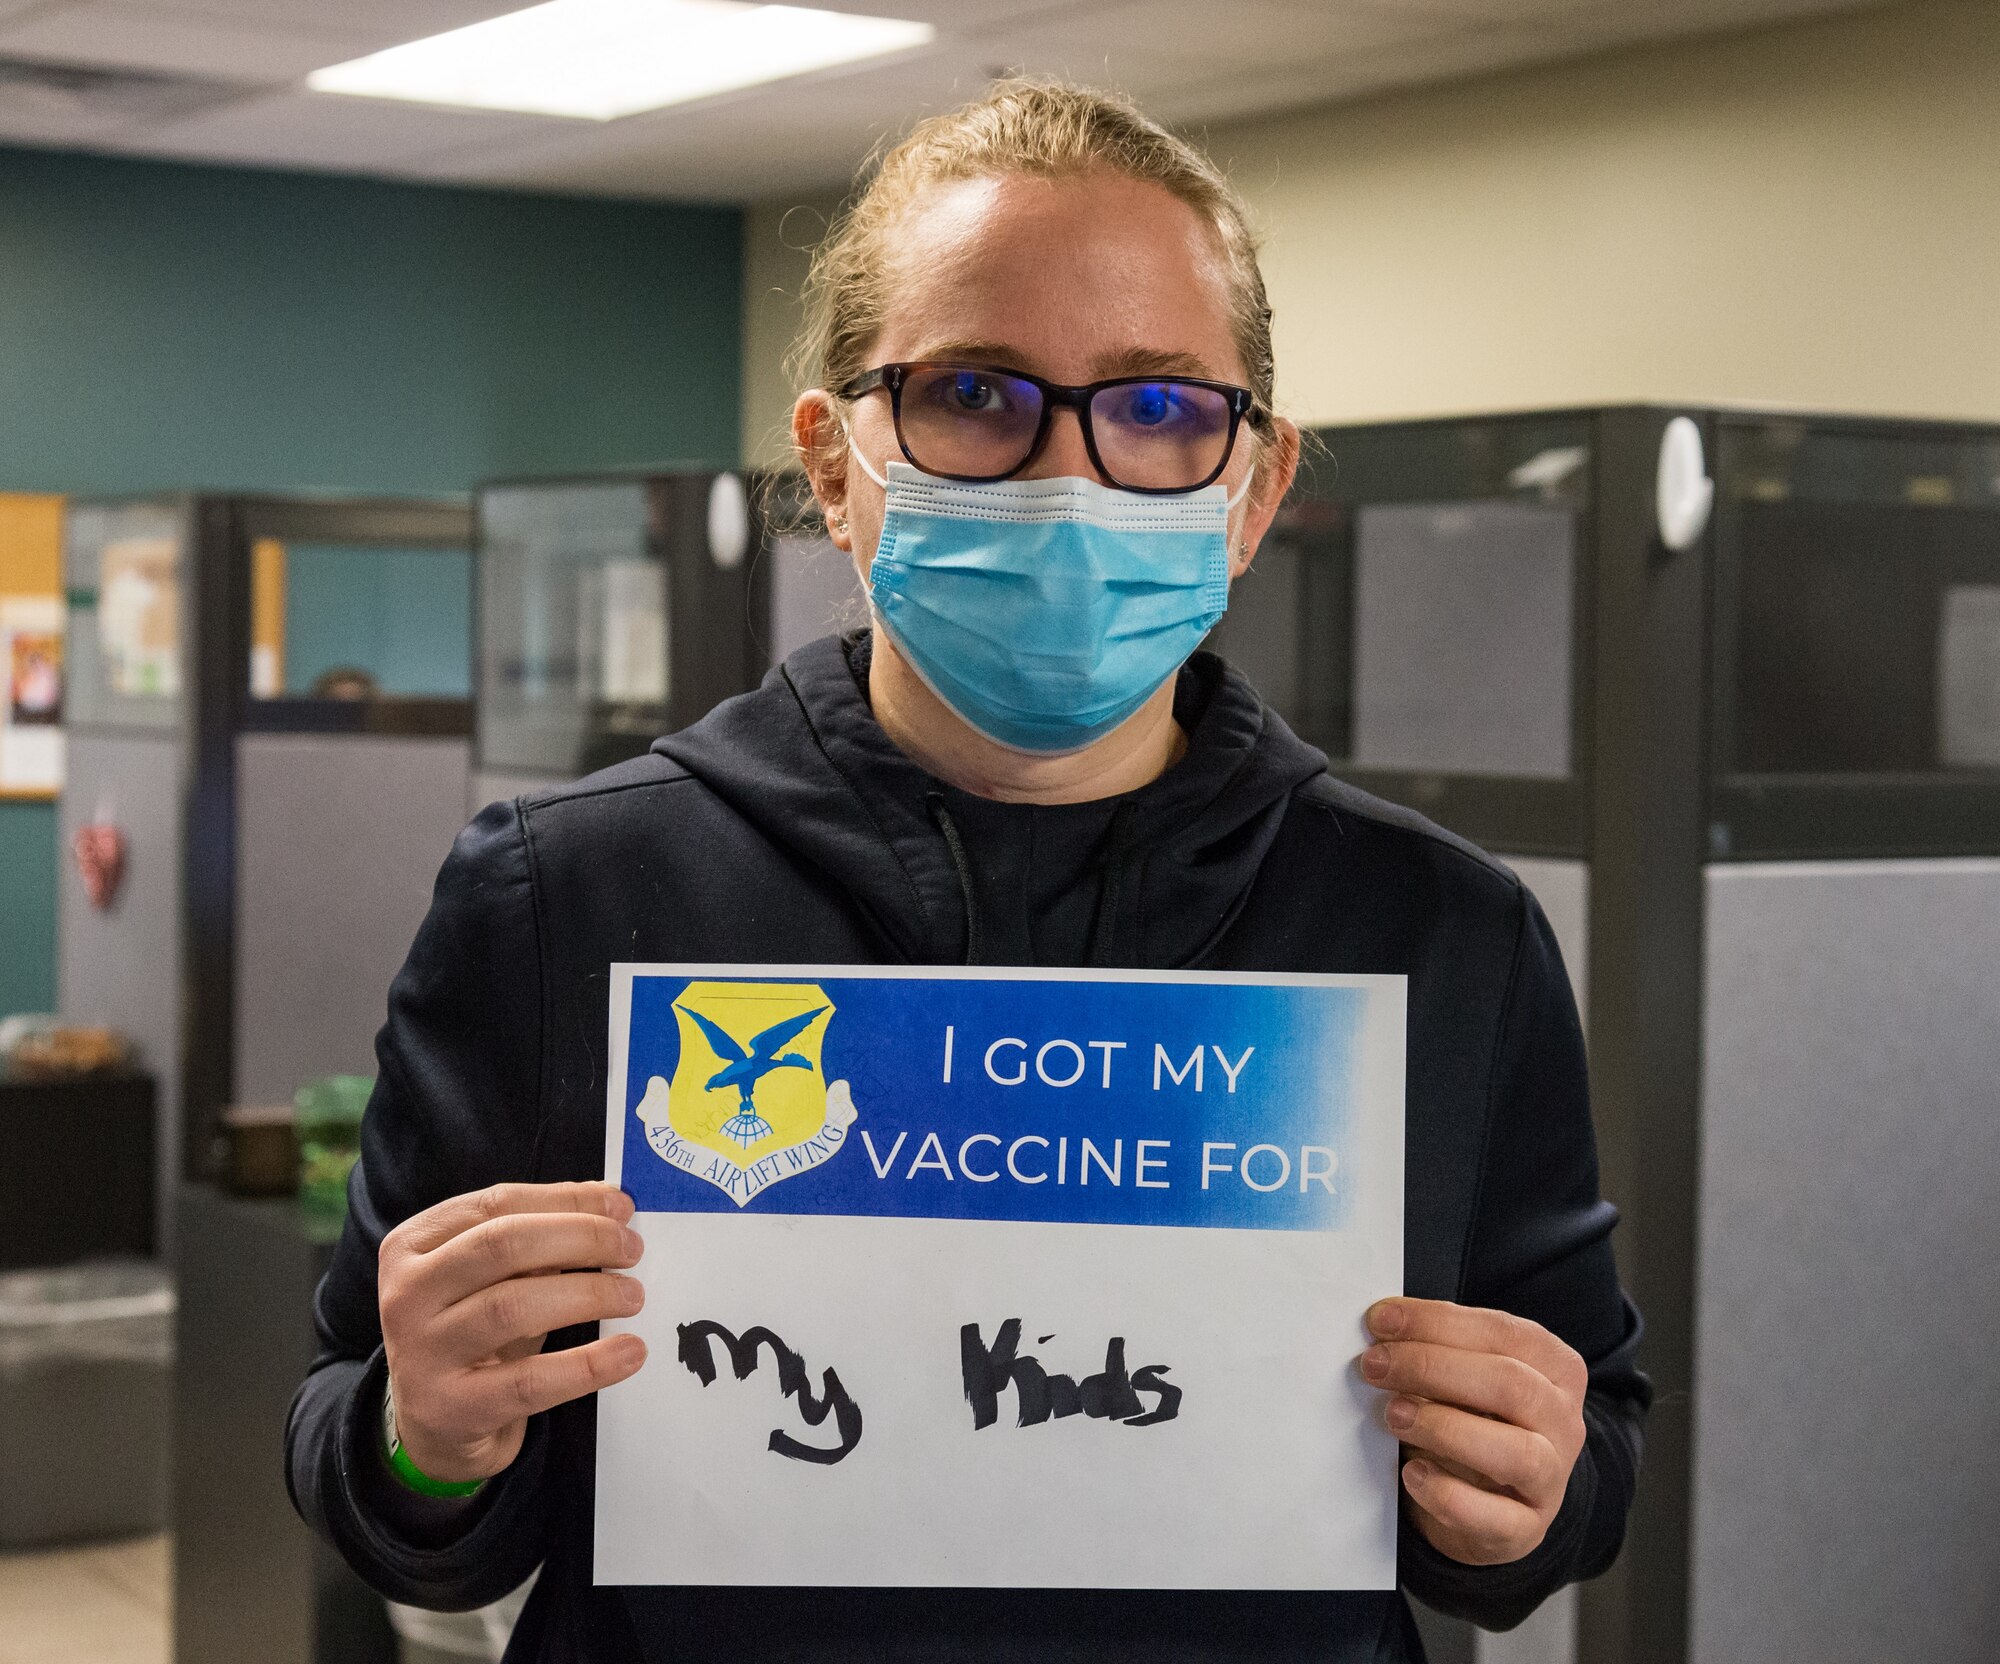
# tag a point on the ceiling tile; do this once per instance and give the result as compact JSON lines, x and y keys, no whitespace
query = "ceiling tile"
{"x":962,"y":17}
{"x":1466,"y":52}
{"x":383,"y":22}
{"x":314,"y":130}
{"x":58,"y":130}
{"x":1184,"y":60}
{"x":808,"y":136}
{"x":1132,"y":44}
{"x":1512,"y":11}
{"x":42,"y":115}
{"x":1453,"y":56}
{"x":1581,"y":17}
{"x":127,"y":37}
{"x":1620,"y":20}
{"x":387,"y":22}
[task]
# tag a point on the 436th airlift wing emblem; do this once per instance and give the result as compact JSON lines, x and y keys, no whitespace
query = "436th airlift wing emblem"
{"x":749,"y":1103}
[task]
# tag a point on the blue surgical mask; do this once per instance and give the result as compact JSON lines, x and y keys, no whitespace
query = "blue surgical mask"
{"x":1045,"y":612}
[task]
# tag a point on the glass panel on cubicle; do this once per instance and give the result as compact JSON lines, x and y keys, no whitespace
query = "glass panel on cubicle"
{"x":574,"y":667}
{"x":1413,"y":608}
{"x":347,"y":620}
{"x":1858,"y":601}
{"x":126,"y":573}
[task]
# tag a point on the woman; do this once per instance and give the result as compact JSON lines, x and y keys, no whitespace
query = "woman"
{"x":1039,"y":341}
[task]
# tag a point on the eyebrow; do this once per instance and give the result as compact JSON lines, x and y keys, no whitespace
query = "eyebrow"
{"x":1127,"y":361}
{"x":1145,"y":361}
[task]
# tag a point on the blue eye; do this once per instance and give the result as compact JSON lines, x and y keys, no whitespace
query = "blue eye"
{"x":973,"y":392}
{"x":1149,"y":404}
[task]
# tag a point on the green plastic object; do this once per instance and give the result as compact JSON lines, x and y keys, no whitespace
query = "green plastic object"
{"x":329,"y":1119}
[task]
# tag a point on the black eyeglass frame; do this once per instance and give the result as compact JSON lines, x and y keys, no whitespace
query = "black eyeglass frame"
{"x":1243,"y":407}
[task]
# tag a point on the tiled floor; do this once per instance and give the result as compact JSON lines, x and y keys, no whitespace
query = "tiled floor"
{"x":105,"y":1604}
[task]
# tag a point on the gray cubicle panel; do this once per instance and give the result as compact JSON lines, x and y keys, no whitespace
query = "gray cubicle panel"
{"x":121,"y":965}
{"x":1754,"y":779}
{"x":331,"y":887}
{"x":128,"y":571}
{"x":1847,"y":1480}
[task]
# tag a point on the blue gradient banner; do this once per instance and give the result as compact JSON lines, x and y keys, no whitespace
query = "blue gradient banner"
{"x":1192,"y":1100}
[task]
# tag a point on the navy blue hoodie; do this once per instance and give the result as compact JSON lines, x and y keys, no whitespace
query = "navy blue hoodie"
{"x":785,"y":827}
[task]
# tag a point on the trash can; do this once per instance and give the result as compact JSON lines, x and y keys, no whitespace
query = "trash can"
{"x":86,"y":1365}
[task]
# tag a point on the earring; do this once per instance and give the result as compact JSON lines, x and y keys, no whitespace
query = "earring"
{"x":838,"y":522}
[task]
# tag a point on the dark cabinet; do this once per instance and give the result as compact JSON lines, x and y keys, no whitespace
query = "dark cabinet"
{"x":252,"y":1584}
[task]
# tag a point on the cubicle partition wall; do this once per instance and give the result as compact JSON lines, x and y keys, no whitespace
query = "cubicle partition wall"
{"x":269,"y":706}
{"x":1752,"y":770}
{"x":616,"y":608}
{"x":125,"y":569}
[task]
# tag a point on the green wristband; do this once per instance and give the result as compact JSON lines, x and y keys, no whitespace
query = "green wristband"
{"x":413,"y":1477}
{"x":421,"y":1482}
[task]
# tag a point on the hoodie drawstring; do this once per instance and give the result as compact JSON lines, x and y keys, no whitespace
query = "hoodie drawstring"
{"x":1119,"y":844}
{"x":1119,"y":847}
{"x":963,"y":867}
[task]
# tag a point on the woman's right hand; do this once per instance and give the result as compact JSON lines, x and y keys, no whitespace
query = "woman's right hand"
{"x":468,"y":1295}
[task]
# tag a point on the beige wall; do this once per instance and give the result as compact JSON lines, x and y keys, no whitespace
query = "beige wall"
{"x":1805,"y":215}
{"x":777,"y":243}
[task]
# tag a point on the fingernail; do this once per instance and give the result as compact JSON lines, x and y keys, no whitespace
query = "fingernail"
{"x":1402,"y":1413}
{"x":1419,"y":1472}
{"x":1388,"y":1318}
{"x":634,"y":1292}
{"x":1375,"y":1362}
{"x":635,"y":1244}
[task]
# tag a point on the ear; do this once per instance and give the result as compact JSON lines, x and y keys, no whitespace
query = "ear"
{"x":1277,"y":466}
{"x":820,"y":438}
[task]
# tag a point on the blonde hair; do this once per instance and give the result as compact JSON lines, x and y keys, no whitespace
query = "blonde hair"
{"x":1024,"y":125}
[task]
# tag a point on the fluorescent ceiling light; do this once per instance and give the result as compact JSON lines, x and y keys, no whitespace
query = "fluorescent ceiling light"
{"x":600,"y":59}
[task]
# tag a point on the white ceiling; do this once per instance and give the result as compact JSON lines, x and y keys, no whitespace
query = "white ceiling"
{"x":1189,"y":61}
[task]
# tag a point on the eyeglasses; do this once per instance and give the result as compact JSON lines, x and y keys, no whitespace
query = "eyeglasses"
{"x":1154,"y":434}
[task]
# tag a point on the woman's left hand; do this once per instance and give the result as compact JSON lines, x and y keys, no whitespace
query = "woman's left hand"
{"x":1492,"y":1405}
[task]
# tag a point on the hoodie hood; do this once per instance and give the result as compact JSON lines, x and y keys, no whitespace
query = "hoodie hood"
{"x":804,"y":759}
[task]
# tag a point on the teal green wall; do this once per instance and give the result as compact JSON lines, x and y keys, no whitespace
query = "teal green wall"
{"x":167,"y":326}
{"x":27,"y":907}
{"x":173,"y":326}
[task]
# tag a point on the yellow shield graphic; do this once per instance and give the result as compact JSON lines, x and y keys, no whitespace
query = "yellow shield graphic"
{"x":748,"y":1103}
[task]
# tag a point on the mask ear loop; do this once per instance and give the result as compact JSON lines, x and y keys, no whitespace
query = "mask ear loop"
{"x":854,"y":451}
{"x":1229,"y":503}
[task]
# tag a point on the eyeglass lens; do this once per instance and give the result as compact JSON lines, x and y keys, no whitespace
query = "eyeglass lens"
{"x":1153,"y":435}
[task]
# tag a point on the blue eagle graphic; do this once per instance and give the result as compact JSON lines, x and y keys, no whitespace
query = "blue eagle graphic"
{"x":744,"y":1069}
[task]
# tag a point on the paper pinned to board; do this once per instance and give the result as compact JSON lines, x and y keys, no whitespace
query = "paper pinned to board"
{"x":1003,"y":1278}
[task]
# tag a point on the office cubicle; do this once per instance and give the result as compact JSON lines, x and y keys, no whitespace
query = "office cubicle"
{"x":269,"y":700}
{"x":1755,"y":781}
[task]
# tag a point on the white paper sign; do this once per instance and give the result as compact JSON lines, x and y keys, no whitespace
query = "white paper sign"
{"x":981,"y":1278}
